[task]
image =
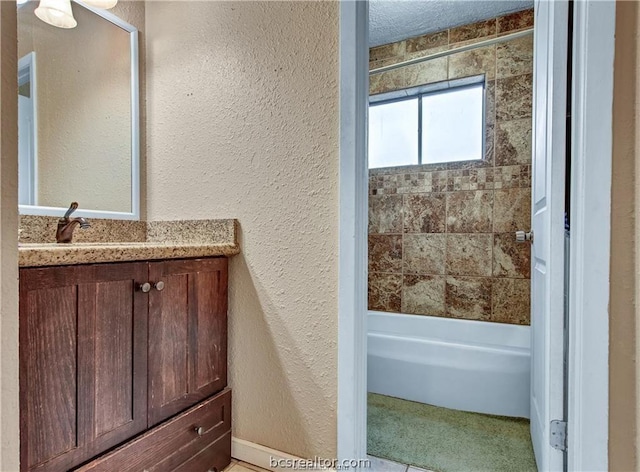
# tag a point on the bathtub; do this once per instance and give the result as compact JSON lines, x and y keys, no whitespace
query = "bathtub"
{"x":465,"y":365}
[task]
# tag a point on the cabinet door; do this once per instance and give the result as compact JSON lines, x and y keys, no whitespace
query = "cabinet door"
{"x":83,"y":361}
{"x":187,"y":334}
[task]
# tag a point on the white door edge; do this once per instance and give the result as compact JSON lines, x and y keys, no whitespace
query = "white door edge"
{"x":588,"y":382}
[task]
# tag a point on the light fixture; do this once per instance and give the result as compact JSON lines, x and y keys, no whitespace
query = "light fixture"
{"x":56,"y":13}
{"x":102,"y":4}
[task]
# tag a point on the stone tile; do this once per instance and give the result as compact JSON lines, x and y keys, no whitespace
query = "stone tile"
{"x":515,"y":21}
{"x":424,"y":213}
{"x":490,"y":102}
{"x":434,"y":70}
{"x":470,"y":212}
{"x":426,"y":44}
{"x":469,"y":254}
{"x":510,"y":259}
{"x":424,"y":254}
{"x":513,"y":142}
{"x":489,"y":146}
{"x":387,"y":51}
{"x":511,"y":300}
{"x":385,"y":465}
{"x":440,"y":181}
{"x":230,"y":466}
{"x":423,"y":294}
{"x":516,"y":176}
{"x":468,"y":297}
{"x":387,"y":81}
{"x":385,"y":253}
{"x":474,"y":31}
{"x":244,"y":467}
{"x":385,"y":292}
{"x":385,"y":214}
{"x":514,"y":97}
{"x":511,"y":210}
{"x":514,"y":57}
{"x":475,"y":62}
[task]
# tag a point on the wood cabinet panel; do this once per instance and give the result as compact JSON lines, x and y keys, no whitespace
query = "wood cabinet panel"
{"x":176,"y":444}
{"x":168,"y":349}
{"x":49,"y":420}
{"x":82,"y":362}
{"x":199,"y":289}
{"x":113,"y":353}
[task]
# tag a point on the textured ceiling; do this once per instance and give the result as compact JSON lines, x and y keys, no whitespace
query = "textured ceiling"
{"x":394,"y":20}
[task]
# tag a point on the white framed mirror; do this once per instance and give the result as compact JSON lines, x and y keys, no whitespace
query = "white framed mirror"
{"x":79,"y":125}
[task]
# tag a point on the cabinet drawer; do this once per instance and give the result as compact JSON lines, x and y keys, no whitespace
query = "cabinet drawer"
{"x":178,"y":444}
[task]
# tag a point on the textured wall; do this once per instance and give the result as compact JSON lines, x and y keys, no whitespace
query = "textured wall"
{"x":243,"y":123}
{"x":441,"y":237}
{"x":9,"y":437}
{"x":625,"y":263}
{"x":84,"y":108}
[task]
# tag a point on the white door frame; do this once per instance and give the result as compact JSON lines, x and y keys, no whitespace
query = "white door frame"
{"x":352,"y":275}
{"x":591,"y":143}
{"x":591,"y":137}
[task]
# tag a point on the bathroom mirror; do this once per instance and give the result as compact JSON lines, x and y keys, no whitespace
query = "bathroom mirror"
{"x":78,"y":113}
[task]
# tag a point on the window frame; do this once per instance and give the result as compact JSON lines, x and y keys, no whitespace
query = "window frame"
{"x":437,"y":88}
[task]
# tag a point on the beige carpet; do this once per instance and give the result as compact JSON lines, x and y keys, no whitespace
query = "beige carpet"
{"x":447,"y":440}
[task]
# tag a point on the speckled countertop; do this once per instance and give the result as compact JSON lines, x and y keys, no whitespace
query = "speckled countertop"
{"x":163,"y":240}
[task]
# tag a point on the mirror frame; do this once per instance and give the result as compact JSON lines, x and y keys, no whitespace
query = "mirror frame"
{"x":134,"y":214}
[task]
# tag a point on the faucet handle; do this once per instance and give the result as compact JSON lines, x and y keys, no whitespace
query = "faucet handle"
{"x":72,"y":208}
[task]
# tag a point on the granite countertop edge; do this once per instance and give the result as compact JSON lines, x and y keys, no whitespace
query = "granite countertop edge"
{"x":41,"y":255}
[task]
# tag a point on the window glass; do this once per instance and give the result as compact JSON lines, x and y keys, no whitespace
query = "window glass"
{"x":429,"y":128}
{"x":452,"y":125}
{"x":393,"y":131}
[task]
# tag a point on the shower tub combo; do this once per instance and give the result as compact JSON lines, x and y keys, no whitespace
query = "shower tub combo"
{"x":453,"y":363}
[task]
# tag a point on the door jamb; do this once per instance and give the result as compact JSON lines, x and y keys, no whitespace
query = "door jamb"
{"x":591,"y":155}
{"x":352,"y":274}
{"x":592,"y":90}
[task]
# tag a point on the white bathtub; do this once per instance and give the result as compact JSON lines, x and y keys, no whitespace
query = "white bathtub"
{"x":460,"y":364}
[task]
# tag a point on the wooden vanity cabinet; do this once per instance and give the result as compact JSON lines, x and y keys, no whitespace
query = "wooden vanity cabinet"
{"x":102,"y":361}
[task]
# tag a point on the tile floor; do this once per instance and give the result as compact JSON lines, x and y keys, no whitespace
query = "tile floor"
{"x":377,"y":465}
{"x":385,"y":465}
{"x":238,"y":466}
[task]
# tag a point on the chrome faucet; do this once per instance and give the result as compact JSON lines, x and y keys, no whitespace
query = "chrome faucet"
{"x":66,"y":225}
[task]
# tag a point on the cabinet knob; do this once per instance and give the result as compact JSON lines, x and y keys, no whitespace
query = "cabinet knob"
{"x":145,"y":287}
{"x":199,"y":430}
{"x":159,"y":286}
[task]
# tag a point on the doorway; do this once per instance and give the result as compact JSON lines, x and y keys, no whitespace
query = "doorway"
{"x":352,"y":407}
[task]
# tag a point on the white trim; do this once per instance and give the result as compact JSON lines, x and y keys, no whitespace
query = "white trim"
{"x":134,"y":214}
{"x":59,"y":211}
{"x":588,"y":415}
{"x":260,"y":456}
{"x":352,"y":304}
{"x":256,"y":454}
{"x":29,"y":61}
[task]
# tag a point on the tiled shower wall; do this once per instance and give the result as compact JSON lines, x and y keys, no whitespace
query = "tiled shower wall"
{"x":441,"y":237}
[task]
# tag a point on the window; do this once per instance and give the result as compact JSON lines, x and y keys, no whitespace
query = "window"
{"x":427,"y":127}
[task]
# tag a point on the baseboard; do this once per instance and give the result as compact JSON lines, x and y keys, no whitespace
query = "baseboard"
{"x":260,"y":456}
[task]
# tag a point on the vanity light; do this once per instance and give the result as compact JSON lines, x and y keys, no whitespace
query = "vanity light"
{"x":56,"y":13}
{"x":103,"y":4}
